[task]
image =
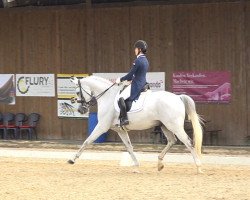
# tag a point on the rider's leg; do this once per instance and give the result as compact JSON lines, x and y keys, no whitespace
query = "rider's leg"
{"x":122,"y":105}
{"x":123,"y":112}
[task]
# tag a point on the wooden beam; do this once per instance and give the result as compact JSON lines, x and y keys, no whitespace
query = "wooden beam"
{"x":88,"y":3}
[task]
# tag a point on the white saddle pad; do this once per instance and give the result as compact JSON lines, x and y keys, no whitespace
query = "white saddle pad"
{"x":137,"y":105}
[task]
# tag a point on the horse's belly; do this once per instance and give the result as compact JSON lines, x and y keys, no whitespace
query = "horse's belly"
{"x":137,"y":126}
{"x":139,"y":122}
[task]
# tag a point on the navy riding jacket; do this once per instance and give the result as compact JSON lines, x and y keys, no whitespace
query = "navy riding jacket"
{"x":137,"y":75}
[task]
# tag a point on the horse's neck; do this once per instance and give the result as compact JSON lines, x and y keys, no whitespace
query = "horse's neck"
{"x":97,"y":86}
{"x":106,"y":101}
{"x":108,"y":96}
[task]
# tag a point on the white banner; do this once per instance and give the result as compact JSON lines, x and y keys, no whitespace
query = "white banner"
{"x":65,"y":91}
{"x":7,"y":89}
{"x":42,"y":85}
{"x":156,"y":80}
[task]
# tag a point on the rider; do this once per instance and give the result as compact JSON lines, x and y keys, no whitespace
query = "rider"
{"x":137,"y":75}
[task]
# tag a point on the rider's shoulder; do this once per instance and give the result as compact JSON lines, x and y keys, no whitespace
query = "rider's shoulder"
{"x":140,"y":58}
{"x":136,"y":61}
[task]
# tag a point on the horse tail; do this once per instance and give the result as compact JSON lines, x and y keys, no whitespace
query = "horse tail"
{"x":196,"y":122}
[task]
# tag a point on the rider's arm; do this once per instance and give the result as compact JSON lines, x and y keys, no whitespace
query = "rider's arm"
{"x":132,"y":71}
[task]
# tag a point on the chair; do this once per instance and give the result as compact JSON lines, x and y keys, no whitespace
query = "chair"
{"x":157,"y":130}
{"x":1,"y":123}
{"x":33,"y":119}
{"x":8,"y":122}
{"x":1,"y":118}
{"x":20,"y":118}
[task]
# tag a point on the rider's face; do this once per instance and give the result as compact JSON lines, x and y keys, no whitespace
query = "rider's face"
{"x":137,"y":51}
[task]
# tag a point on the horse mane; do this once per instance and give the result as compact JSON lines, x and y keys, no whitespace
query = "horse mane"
{"x":98,"y":78}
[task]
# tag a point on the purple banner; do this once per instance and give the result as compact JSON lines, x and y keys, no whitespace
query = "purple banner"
{"x":203,"y":86}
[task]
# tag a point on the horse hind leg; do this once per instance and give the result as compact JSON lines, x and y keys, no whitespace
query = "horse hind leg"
{"x":171,"y":141}
{"x":183,"y":137}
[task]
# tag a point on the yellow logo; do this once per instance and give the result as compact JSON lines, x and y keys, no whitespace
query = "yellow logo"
{"x":21,"y":86}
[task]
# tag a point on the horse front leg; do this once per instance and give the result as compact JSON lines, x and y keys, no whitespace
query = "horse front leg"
{"x":126,"y":140}
{"x":93,"y":136}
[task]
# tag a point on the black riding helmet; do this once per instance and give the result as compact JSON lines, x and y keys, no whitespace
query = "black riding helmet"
{"x":142,"y":45}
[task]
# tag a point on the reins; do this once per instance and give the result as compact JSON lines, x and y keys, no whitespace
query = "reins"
{"x":102,"y":93}
{"x":91,"y":102}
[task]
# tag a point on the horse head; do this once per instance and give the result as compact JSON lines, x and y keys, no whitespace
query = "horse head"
{"x":74,"y":80}
{"x":83,"y":92}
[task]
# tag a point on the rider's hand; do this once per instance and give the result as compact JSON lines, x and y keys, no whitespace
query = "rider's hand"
{"x":118,"y":80}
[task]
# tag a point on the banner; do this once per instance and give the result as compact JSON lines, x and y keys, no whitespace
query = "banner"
{"x":65,"y":91}
{"x":156,"y":80}
{"x":7,"y":89}
{"x":203,"y":86}
{"x":42,"y":85}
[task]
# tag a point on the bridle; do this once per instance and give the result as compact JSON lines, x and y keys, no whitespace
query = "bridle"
{"x":93,"y":99}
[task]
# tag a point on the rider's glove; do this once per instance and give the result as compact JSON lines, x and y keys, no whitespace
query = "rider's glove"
{"x":118,"y":80}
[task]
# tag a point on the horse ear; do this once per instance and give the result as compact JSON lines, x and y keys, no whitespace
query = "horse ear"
{"x":74,"y":80}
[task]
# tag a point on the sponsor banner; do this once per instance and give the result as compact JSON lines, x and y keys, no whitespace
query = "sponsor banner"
{"x":67,"y":109}
{"x":42,"y":85}
{"x":7,"y":89}
{"x":203,"y":86}
{"x":156,"y":80}
{"x":65,"y":91}
{"x":65,"y":88}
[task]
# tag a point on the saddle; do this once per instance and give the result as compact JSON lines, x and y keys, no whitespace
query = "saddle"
{"x":136,"y":105}
{"x":146,"y":87}
{"x":128,"y":102}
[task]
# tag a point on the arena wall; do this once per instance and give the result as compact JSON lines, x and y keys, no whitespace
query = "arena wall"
{"x":79,"y":39}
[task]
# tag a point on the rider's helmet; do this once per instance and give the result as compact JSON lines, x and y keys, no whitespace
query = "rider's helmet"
{"x":142,"y":45}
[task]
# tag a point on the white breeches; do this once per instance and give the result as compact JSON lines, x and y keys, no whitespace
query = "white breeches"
{"x":126,"y":92}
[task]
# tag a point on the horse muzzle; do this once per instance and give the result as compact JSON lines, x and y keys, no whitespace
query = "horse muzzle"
{"x":82,"y":109}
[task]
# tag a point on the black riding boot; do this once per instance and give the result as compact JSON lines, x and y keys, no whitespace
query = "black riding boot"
{"x":123,"y":112}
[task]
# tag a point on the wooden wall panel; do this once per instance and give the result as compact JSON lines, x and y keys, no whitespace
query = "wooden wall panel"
{"x":226,"y":41}
{"x":205,"y":37}
{"x":247,"y":66}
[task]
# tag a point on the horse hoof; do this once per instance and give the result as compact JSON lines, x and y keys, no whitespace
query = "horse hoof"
{"x":136,"y":171}
{"x":71,"y":162}
{"x":200,"y":171}
{"x":160,"y":167}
